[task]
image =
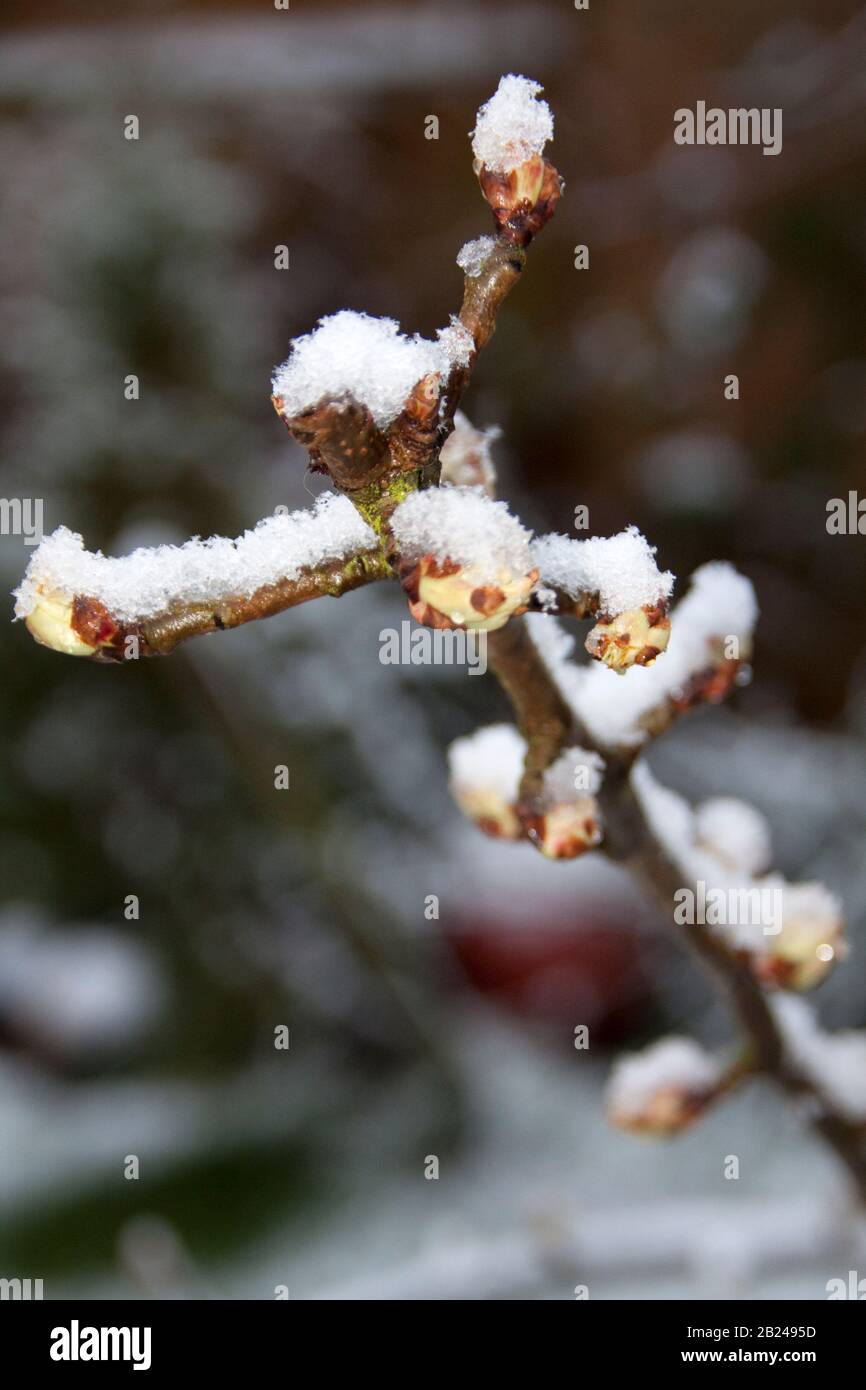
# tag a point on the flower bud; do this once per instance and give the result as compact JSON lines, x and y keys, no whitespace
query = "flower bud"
{"x":465,"y":457}
{"x":524,"y":199}
{"x":521,"y":186}
{"x":633,"y":638}
{"x":489,"y":811}
{"x":567,"y":821}
{"x":341,"y":438}
{"x":566,"y":830}
{"x":70,"y":626}
{"x":664,"y":1089}
{"x":445,"y":594}
{"x":811,"y":939}
{"x":484,"y":777}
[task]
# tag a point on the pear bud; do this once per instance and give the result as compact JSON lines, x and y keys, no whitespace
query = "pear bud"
{"x":664,"y":1089}
{"x":55,"y":622}
{"x":633,"y":638}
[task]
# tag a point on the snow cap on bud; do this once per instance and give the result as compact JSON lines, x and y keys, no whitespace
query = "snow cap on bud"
{"x":512,"y":126}
{"x":735,"y":833}
{"x":663,"y":1089}
{"x":810,"y":942}
{"x":352,"y":356}
{"x":464,"y":560}
{"x":511,"y":130}
{"x":484,"y":775}
{"x":568,"y":822}
{"x":633,"y":638}
{"x":615,"y":578}
{"x":344,"y":386}
{"x":68,"y":625}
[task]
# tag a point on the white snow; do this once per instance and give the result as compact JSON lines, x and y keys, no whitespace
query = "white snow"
{"x":834,"y":1062}
{"x":555,"y":645}
{"x":620,"y":569}
{"x":735,"y":859}
{"x":368,"y":359}
{"x":735,"y":832}
{"x":147,"y":582}
{"x":671,"y":1063}
{"x":490,"y":759}
{"x":472,"y":256}
{"x":454,"y":346}
{"x":576,"y":773}
{"x":512,"y":126}
{"x":671,"y":820}
{"x":466,"y":456}
{"x":720,"y":604}
{"x":812,"y":919}
{"x":462,"y":525}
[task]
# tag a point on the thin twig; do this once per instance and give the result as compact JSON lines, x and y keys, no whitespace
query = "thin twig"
{"x":543,"y":717}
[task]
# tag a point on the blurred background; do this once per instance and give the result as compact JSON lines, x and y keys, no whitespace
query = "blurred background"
{"x":153,"y":1035}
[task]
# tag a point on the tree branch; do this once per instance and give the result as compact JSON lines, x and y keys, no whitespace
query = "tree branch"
{"x":548,"y":726}
{"x":84,"y":626}
{"x":630,"y":840}
{"x":161,"y":635}
{"x":543,"y":717}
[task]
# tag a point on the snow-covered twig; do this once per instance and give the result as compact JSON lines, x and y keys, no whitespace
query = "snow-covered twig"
{"x":144,"y":604}
{"x":631,"y":839}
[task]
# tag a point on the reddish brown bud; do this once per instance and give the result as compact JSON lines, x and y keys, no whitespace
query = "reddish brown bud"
{"x":524,"y":200}
{"x":342,"y":440}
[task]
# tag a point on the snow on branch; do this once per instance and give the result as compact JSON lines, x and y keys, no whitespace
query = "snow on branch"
{"x":735,"y":832}
{"x":791,"y":934}
{"x":618,"y":572}
{"x":461,"y":525}
{"x":373,"y":407}
{"x":83,"y":602}
{"x":352,"y":355}
{"x":835,"y":1063}
{"x":474,"y":255}
{"x":616,"y":579}
{"x":466,"y":561}
{"x":484,"y":773}
{"x":710,"y":641}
